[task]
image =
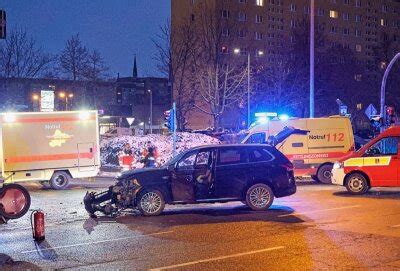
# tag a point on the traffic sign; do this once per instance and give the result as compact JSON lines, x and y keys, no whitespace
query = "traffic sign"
{"x":371,"y":111}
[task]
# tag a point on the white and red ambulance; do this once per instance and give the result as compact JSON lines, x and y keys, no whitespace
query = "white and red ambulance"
{"x":377,"y":164}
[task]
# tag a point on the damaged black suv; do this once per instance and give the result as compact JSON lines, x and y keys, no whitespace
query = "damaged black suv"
{"x":253,"y":174}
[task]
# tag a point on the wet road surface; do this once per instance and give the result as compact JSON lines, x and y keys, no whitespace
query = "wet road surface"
{"x":320,"y":227}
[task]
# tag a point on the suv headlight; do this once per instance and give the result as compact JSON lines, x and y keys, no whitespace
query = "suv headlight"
{"x":337,"y":165}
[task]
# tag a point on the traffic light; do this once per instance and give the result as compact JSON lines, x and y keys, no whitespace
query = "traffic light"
{"x":390,"y":116}
{"x":169,"y":119}
{"x":3,"y":24}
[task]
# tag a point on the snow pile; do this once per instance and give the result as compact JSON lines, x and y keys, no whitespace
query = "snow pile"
{"x":111,"y":148}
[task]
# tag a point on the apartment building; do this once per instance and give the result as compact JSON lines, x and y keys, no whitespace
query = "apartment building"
{"x":264,"y":28}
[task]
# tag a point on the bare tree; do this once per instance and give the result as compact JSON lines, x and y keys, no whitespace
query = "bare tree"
{"x":283,"y":85}
{"x":219,"y":88}
{"x":21,"y":57}
{"x":219,"y":80}
{"x":175,"y":57}
{"x":73,"y":60}
{"x":96,"y":68}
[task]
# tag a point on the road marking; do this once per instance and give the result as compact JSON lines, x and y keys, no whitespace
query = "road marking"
{"x":97,"y":242}
{"x":323,"y":210}
{"x":395,"y":226}
{"x":217,"y":258}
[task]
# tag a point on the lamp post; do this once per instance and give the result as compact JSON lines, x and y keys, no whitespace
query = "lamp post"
{"x":312,"y":53}
{"x":383,"y":88}
{"x":65,"y":96}
{"x":151,"y":110}
{"x":237,"y":51}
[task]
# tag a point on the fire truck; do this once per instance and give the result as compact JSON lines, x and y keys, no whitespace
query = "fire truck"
{"x":377,"y":164}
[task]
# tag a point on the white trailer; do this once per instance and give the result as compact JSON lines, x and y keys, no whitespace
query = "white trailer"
{"x":49,"y":146}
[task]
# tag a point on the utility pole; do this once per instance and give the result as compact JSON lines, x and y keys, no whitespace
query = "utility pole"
{"x":173,"y":129}
{"x":312,"y":54}
{"x":151,"y":110}
{"x":248,"y":90}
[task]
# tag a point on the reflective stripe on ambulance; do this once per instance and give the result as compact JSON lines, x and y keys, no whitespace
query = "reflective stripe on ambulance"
{"x":368,"y":161}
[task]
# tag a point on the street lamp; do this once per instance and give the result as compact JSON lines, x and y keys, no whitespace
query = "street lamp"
{"x":65,"y":96}
{"x":237,"y":51}
{"x":151,"y":110}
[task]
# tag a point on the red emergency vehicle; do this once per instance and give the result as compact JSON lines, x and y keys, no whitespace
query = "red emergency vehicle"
{"x":377,"y":164}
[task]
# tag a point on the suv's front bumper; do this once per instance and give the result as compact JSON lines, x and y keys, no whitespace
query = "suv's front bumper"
{"x":338,"y":176}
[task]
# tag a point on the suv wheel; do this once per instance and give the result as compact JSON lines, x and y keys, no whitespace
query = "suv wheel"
{"x":324,"y":174}
{"x":59,"y":180}
{"x":151,"y":202}
{"x":357,"y":184}
{"x":259,"y":197}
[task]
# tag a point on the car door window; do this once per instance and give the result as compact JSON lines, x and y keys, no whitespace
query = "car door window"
{"x":203,"y":158}
{"x":259,"y":155}
{"x":187,"y":162}
{"x":385,"y":147}
{"x":232,"y":156}
{"x":257,"y":138}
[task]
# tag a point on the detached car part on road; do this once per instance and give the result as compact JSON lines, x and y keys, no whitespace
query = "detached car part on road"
{"x":253,"y":174}
{"x":376,"y":164}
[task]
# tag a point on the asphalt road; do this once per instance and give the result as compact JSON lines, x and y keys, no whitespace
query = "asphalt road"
{"x":320,"y":227}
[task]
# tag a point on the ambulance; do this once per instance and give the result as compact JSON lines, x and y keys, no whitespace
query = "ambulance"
{"x":49,"y":147}
{"x":312,"y":153}
{"x":377,"y":164}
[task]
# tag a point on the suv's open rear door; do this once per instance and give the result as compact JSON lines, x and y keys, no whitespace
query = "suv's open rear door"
{"x":284,"y":134}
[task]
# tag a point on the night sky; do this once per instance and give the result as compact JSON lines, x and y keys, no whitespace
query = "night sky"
{"x":117,"y":28}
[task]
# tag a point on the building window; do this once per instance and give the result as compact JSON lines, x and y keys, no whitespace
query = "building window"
{"x":192,"y":17}
{"x":242,"y":1}
{"x":333,"y":14}
{"x":225,"y":32}
{"x":260,"y":3}
{"x":224,"y":49}
{"x":242,"y":16}
{"x":345,"y":16}
{"x":346,"y":2}
{"x":385,"y":8}
{"x":333,"y":29}
{"x":259,"y":36}
{"x":259,"y":19}
{"x":358,"y":77}
{"x":293,"y":7}
{"x":293,"y":23}
{"x":225,"y":13}
{"x":358,"y":18}
{"x":320,"y":12}
{"x":259,"y":53}
{"x":358,"y":48}
{"x":306,"y":9}
{"x":383,"y":22}
{"x":358,"y":3}
{"x":358,"y":33}
{"x":241,"y":33}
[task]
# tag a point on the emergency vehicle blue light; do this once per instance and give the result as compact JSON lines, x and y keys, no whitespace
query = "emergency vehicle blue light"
{"x":263,"y":120}
{"x":283,"y":117}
